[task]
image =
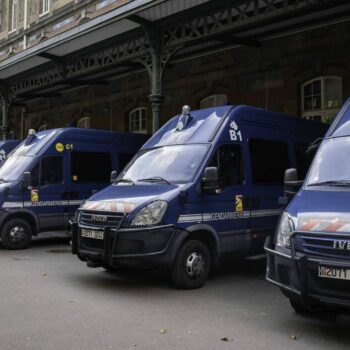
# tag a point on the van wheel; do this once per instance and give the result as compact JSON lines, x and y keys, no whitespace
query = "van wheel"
{"x":16,"y":234}
{"x":192,"y":265}
{"x":299,"y":307}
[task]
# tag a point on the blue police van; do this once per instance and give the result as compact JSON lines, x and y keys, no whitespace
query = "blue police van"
{"x":46,"y":178}
{"x":309,"y":258}
{"x":6,"y":147}
{"x":204,"y":187}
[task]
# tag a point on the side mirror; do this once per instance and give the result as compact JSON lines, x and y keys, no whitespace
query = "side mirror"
{"x":27,"y":179}
{"x":291,"y":183}
{"x":114,"y":175}
{"x":210,"y":180}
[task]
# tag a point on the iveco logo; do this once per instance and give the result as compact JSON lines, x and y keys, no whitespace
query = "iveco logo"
{"x":341,"y":244}
{"x":99,"y":218}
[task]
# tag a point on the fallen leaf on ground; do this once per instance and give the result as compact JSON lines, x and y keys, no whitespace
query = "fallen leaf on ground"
{"x":44,"y":274}
{"x":164,"y":331}
{"x":226,"y":339}
{"x":293,"y":337}
{"x":19,"y":258}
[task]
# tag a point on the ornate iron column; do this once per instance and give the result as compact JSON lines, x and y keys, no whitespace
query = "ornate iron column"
{"x":5,"y":105}
{"x":155,"y":62}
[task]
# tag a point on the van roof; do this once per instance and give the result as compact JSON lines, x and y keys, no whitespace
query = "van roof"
{"x":341,"y":125}
{"x":82,"y":133}
{"x":205,"y":124}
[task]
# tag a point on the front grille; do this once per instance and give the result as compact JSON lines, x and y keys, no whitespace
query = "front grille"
{"x":100,"y":219}
{"x":321,"y":245}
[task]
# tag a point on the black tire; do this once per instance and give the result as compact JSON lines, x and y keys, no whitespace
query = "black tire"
{"x":299,"y":307}
{"x":192,"y":265}
{"x":16,"y":234}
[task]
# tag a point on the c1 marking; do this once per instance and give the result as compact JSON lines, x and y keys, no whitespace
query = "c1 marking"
{"x":235,"y":133}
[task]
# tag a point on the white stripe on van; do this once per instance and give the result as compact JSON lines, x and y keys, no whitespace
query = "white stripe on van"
{"x":240,"y":215}
{"x":29,"y":204}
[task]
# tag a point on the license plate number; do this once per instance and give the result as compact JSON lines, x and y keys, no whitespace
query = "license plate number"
{"x":92,"y":234}
{"x":339,"y":273}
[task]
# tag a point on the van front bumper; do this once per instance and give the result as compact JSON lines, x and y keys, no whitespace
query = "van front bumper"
{"x":297,"y":276}
{"x":140,"y":248}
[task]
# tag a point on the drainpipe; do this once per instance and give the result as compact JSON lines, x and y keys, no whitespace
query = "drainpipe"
{"x":25,"y":24}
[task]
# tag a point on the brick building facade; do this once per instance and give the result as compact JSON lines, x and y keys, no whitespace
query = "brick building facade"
{"x":304,"y":73}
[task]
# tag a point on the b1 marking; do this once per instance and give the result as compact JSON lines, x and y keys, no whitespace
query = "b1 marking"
{"x":235,"y":133}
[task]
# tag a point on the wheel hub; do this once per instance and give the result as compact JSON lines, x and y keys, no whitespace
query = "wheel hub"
{"x":195,"y":265}
{"x":17,"y":234}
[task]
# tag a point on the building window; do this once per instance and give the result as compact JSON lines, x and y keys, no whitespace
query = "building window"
{"x":322,"y":98}
{"x":138,"y":120}
{"x":44,"y":7}
{"x":213,"y":101}
{"x":43,"y":127}
{"x":13,"y":15}
{"x":84,"y":123}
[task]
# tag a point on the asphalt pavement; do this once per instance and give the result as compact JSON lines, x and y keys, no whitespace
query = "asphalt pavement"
{"x":51,"y":300}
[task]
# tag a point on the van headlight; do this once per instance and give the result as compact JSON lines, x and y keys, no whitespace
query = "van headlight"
{"x":284,"y":230}
{"x":151,"y":214}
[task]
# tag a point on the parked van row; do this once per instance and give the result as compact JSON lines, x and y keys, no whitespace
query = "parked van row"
{"x":203,"y":188}
{"x":209,"y":185}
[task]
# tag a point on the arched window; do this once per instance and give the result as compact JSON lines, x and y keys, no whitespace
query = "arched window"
{"x":321,"y":98}
{"x":84,"y":123}
{"x":43,"y":127}
{"x":213,"y":101}
{"x":138,"y":120}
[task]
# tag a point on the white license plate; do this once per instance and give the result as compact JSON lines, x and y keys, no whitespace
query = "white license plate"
{"x":339,"y":273}
{"x":92,"y":234}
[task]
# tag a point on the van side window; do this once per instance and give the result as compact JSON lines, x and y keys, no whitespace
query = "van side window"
{"x":48,"y":171}
{"x":90,"y":167}
{"x":229,"y":161}
{"x":124,"y":159}
{"x":303,"y":159}
{"x":269,"y":160}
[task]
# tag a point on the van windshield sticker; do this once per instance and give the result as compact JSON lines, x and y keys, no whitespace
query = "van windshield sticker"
{"x":235,"y":133}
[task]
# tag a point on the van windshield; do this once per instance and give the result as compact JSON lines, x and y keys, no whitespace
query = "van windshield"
{"x":14,"y":167}
{"x":331,"y":165}
{"x":178,"y":163}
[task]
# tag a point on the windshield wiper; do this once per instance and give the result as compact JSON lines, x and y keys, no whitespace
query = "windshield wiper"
{"x":155,"y":179}
{"x":331,"y":183}
{"x":128,"y":181}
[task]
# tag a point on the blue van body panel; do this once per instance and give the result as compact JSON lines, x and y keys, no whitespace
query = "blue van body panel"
{"x":50,"y":206}
{"x":234,"y":221}
{"x":320,"y":238}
